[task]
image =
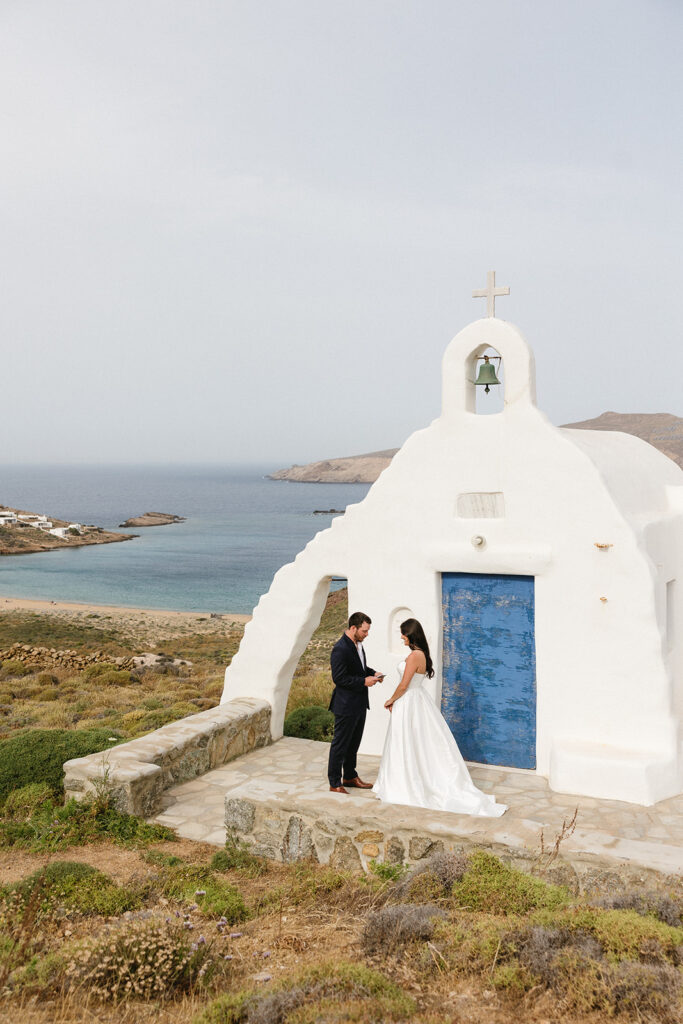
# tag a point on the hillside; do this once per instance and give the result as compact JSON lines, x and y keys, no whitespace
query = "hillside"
{"x":355,"y":469}
{"x":660,"y":429}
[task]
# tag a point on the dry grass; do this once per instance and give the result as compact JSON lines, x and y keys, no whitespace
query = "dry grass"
{"x":312,"y":682}
{"x":60,"y":698}
{"x":306,"y":920}
{"x":503,"y":950}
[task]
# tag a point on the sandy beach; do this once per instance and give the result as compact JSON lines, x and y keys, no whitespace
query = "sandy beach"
{"x":147,"y":623}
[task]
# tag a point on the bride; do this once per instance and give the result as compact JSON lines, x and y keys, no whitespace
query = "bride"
{"x":421,"y":764}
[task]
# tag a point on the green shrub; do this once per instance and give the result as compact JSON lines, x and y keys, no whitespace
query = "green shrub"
{"x":115,"y":677}
{"x":79,"y":887}
{"x":327,"y":992}
{"x":13,"y":669}
{"x":55,"y":873}
{"x":387,"y":872}
{"x":213,"y":896}
{"x":311,"y":723}
{"x":98,"y":894}
{"x":48,"y":693}
{"x":491,"y":886}
{"x":99,"y":669}
{"x":37,"y":755}
{"x":422,"y":887}
{"x":22,"y":804}
{"x":238,"y":857}
{"x":42,"y":974}
{"x":47,"y":679}
{"x":572,"y":962}
{"x":138,"y":722}
{"x":55,"y":827}
{"x":108,"y":674}
{"x":152,"y":704}
{"x":622,"y":934}
{"x":665,"y":908}
{"x":513,"y":978}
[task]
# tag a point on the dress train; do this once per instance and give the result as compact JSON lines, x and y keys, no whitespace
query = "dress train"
{"x":421,"y":764}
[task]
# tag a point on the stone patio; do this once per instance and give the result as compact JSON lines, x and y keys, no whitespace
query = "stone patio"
{"x":276,"y":798}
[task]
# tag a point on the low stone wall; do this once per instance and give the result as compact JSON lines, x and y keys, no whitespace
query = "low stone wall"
{"x":139,"y":771}
{"x":42,"y":657}
{"x":345,"y":844}
{"x":350,"y":844}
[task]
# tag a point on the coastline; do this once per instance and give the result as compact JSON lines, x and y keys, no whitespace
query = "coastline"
{"x":33,"y":548}
{"x":148,"y":622}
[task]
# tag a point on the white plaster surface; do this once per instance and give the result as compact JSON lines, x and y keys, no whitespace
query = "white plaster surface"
{"x":609,"y":620}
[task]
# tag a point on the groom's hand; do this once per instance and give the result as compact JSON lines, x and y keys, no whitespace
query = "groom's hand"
{"x":371,"y":680}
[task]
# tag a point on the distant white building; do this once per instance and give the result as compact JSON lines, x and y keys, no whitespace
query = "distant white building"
{"x":60,"y":531}
{"x":75,"y":526}
{"x":8,"y":517}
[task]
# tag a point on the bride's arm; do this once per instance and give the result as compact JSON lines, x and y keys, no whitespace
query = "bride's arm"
{"x":408,"y":673}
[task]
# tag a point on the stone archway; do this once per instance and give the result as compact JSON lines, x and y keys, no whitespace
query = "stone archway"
{"x":284,"y":621}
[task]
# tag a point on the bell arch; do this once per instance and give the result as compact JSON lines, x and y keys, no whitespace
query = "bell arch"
{"x":463,"y":356}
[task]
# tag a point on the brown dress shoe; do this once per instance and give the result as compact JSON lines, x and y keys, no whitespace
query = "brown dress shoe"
{"x":358,"y":783}
{"x":338,"y":789}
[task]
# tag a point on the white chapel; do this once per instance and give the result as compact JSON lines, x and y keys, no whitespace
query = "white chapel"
{"x":547,"y":576}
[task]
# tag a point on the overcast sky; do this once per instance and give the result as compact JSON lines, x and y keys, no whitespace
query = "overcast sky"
{"x":246,"y":231}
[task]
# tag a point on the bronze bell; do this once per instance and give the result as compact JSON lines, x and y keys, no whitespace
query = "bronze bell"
{"x":487,"y":375}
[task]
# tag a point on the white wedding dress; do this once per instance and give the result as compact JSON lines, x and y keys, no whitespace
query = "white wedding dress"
{"x":421,"y":764}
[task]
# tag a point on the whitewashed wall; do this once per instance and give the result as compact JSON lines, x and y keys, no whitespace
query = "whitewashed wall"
{"x":610,"y":704}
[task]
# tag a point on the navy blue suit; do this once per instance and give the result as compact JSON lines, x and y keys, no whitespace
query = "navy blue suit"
{"x":349,"y":703}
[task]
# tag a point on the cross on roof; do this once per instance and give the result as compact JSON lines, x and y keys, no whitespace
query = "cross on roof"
{"x":490,"y":292}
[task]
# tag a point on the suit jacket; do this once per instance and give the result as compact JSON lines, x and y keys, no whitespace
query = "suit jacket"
{"x":350,"y":694}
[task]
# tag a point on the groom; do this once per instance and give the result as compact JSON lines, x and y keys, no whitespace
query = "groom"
{"x":351,"y":676}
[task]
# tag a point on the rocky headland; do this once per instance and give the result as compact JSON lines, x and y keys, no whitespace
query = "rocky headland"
{"x":23,"y":537}
{"x":660,"y":429}
{"x":355,"y":469}
{"x":153,"y":519}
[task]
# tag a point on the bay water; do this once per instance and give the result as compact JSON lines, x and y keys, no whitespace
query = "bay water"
{"x":240,"y":528}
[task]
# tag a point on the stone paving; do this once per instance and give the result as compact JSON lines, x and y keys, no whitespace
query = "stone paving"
{"x":289,"y":778}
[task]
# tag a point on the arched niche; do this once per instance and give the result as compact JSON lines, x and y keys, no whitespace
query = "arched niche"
{"x":399,"y":614}
{"x":461,"y":359}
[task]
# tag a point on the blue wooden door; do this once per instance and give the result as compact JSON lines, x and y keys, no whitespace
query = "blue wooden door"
{"x":489,"y":667}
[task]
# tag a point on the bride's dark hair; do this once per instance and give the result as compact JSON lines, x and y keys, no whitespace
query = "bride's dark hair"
{"x":415,"y":634}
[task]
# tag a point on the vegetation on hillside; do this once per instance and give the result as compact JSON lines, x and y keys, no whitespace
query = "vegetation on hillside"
{"x":105,"y":917}
{"x":183,"y":935}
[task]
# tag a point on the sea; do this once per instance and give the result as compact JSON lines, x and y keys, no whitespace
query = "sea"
{"x":239,"y":529}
